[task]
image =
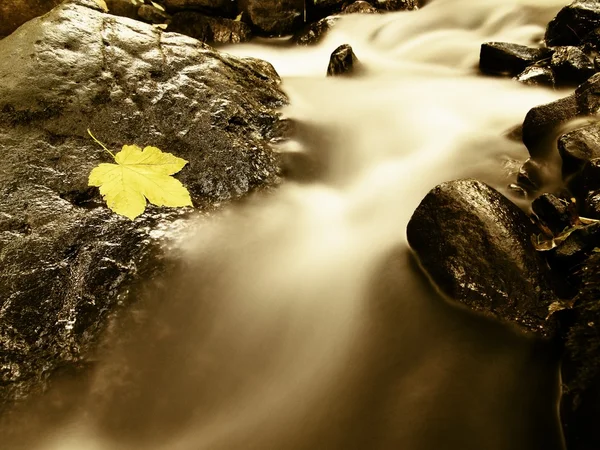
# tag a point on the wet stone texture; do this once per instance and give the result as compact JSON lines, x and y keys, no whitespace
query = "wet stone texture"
{"x":66,"y":261}
{"x":342,"y":62}
{"x":476,"y":246}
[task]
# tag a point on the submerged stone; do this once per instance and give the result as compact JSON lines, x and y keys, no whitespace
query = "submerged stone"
{"x":67,"y":261}
{"x":343,"y":61}
{"x":476,"y":246}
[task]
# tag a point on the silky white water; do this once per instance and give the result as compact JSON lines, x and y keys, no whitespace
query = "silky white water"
{"x":302,"y":322}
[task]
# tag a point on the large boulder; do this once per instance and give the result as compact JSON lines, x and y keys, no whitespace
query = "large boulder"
{"x":67,"y":261}
{"x":476,"y":246}
{"x":573,"y":23}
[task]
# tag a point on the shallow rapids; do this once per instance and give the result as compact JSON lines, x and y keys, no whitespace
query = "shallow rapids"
{"x":302,"y":322}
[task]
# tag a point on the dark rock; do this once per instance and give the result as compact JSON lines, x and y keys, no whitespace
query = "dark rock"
{"x":537,"y":75}
{"x":210,"y":29}
{"x":153,"y":15}
{"x":580,"y":404}
{"x":555,"y":213}
{"x":223,"y":8}
{"x":571,"y":65}
{"x":578,"y":147}
{"x":313,"y":33}
{"x":568,"y":255}
{"x":592,"y":205}
{"x":573,"y":23}
{"x":67,"y":261}
{"x":14,"y":13}
{"x":273,"y":17}
{"x":541,"y":123}
{"x":123,"y":8}
{"x":501,"y":58}
{"x":343,"y":61}
{"x":359,"y":7}
{"x":530,"y":176}
{"x":318,"y":9}
{"x":589,"y":178}
{"x":397,"y":5}
{"x":476,"y":245}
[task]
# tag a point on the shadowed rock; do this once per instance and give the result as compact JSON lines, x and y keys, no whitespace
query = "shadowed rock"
{"x":67,"y":261}
{"x":315,"y":32}
{"x":578,"y":147}
{"x":502,"y":58}
{"x":273,"y":17}
{"x":359,"y":7}
{"x":571,"y":65}
{"x":573,"y":23}
{"x":476,"y":246}
{"x":210,"y":29}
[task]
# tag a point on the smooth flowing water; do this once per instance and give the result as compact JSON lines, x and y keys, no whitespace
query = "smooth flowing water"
{"x":302,"y":321}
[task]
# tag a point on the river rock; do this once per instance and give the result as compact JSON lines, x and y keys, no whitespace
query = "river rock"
{"x":224,"y":8}
{"x":586,"y":180}
{"x":553,"y":212}
{"x":273,"y":17}
{"x":502,"y":58}
{"x":343,"y":61}
{"x":578,"y":147}
{"x":67,"y":261}
{"x":568,"y":255}
{"x":397,"y":5}
{"x":217,"y":30}
{"x":359,"y":7}
{"x":535,"y":75}
{"x":571,"y":65}
{"x":580,"y":404}
{"x":573,"y":23}
{"x":476,"y":246}
{"x":152,"y":14}
{"x":313,"y":33}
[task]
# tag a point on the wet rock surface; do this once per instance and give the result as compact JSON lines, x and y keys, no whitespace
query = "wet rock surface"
{"x":578,"y":147}
{"x":315,"y":32}
{"x":476,"y":246}
{"x":67,"y":261}
{"x":573,"y":23}
{"x":555,"y":213}
{"x":343,"y":61}
{"x":537,"y":76}
{"x":571,"y":65}
{"x":502,"y":58}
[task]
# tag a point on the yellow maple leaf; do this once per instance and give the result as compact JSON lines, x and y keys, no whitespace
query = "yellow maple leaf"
{"x":139,"y":175}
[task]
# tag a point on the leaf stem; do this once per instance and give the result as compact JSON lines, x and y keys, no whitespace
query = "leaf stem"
{"x":101,"y":144}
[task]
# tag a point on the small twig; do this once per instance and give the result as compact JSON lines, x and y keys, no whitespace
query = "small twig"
{"x":101,"y":144}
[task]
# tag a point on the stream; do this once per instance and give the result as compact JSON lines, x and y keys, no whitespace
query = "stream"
{"x":303,"y":321}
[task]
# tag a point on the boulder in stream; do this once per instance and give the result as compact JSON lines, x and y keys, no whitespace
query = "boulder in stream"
{"x":313,"y":33}
{"x":343,"y":61}
{"x":535,"y":75}
{"x":67,"y":261}
{"x":476,"y":246}
{"x":571,"y":65}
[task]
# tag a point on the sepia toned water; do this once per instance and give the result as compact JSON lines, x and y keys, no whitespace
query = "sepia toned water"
{"x":302,"y":321}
